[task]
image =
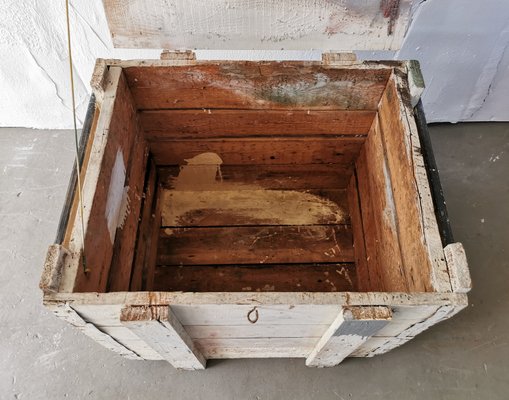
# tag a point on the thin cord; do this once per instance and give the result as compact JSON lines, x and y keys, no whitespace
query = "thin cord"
{"x":76,"y":139}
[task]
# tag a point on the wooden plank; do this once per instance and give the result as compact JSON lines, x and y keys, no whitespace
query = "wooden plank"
{"x":257,"y":85}
{"x":359,"y":245}
{"x":257,"y":278}
{"x":369,"y":216}
{"x":144,"y":234}
{"x":171,"y":24}
{"x":128,"y":339}
{"x":385,"y":221}
{"x":254,"y":331}
{"x":160,"y":125}
{"x":237,"y":314}
{"x":400,"y":155}
{"x":161,"y":330}
{"x":152,"y":243}
{"x":68,"y":314}
{"x":182,"y":208}
{"x":125,"y":239}
{"x":273,"y":151}
{"x":264,"y":347}
{"x":255,"y":245}
{"x":351,"y":328}
{"x":292,"y":176}
{"x":104,"y":184}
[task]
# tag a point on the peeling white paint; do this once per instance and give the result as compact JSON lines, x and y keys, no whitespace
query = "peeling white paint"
{"x":461,"y":44}
{"x":115,"y":195}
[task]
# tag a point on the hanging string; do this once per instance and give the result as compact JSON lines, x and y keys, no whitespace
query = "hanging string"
{"x":76,"y":139}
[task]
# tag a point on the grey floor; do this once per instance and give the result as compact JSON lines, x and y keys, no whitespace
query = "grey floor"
{"x":466,"y":357}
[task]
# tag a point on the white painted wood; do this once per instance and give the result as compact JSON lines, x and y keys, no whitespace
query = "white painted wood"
{"x":439,"y":275}
{"x":267,"y":314}
{"x":263,"y":347}
{"x":344,"y":25}
{"x":254,"y":331}
{"x":351,"y":328}
{"x":161,"y":330}
{"x":458,"y":268}
{"x":115,"y":300}
{"x":127,"y":338}
{"x":65,"y":312}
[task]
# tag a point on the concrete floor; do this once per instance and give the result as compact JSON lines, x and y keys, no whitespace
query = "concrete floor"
{"x":466,"y":357}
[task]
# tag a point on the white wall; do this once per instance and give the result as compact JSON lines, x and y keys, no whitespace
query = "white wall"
{"x":462,"y":46}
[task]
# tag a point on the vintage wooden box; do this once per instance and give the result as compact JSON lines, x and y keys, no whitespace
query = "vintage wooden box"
{"x":237,"y":209}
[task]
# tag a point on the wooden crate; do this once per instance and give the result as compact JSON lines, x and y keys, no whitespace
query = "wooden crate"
{"x":255,"y":209}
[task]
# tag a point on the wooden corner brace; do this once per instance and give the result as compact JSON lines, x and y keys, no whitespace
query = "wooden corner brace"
{"x":160,"y":329}
{"x":351,"y":328}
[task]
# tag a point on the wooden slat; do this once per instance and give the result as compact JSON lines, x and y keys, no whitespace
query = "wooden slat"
{"x":254,"y":331}
{"x":374,"y":267}
{"x":406,"y":196}
{"x":293,"y":176}
{"x":350,"y":329}
{"x":359,"y":245}
{"x":161,"y":330}
{"x":256,"y":347}
{"x":269,"y":315}
{"x":257,"y":278}
{"x":379,"y":197}
{"x":201,"y":124}
{"x":263,"y":85}
{"x":152,"y":243}
{"x":125,"y":238}
{"x":144,"y":234}
{"x":253,"y":207}
{"x":273,"y":151}
{"x":255,"y":245}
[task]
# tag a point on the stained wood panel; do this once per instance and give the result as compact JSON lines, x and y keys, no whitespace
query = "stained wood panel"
{"x":244,"y":177}
{"x":181,"y":208}
{"x":406,"y":197}
{"x":359,"y":244}
{"x":377,"y":194}
{"x":144,"y":235}
{"x":255,"y":245}
{"x":273,"y":151}
{"x":257,"y":278}
{"x":203,"y":123}
{"x":122,"y":263}
{"x":119,"y":133}
{"x":259,"y":85}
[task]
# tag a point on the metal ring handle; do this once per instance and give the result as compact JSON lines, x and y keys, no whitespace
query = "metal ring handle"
{"x":250,"y":318}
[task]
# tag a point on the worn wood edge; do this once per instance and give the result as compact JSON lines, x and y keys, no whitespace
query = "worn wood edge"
{"x":352,"y":327}
{"x":65,"y":312}
{"x":440,"y":280}
{"x":415,"y":81}
{"x":457,"y":264}
{"x":260,"y":298}
{"x":98,"y":81}
{"x":177,"y":55}
{"x":168,"y":326}
{"x":100,"y":140}
{"x":53,"y":268}
{"x":169,"y":63}
{"x":385,"y":344}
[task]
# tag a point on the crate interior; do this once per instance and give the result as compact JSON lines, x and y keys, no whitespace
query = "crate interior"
{"x":263,"y":177}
